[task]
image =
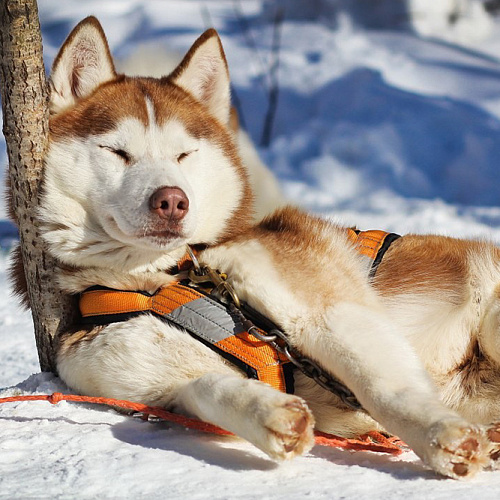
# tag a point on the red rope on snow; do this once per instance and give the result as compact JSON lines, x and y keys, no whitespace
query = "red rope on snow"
{"x":372,"y":441}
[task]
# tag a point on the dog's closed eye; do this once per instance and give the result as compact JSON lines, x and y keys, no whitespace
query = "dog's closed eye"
{"x":126,"y":157}
{"x":184,"y":155}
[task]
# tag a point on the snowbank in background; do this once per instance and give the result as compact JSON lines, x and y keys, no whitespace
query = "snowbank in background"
{"x":462,"y":21}
{"x":416,"y":117}
{"x":375,"y":126}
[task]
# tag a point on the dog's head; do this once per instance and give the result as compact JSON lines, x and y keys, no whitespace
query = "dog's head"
{"x":139,"y":167}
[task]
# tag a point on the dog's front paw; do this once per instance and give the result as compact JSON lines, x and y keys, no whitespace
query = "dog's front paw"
{"x":291,"y":429}
{"x":493,"y":433}
{"x":284,"y":427}
{"x":458,"y":450}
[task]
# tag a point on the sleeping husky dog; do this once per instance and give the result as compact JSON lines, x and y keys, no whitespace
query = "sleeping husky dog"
{"x":138,"y":169}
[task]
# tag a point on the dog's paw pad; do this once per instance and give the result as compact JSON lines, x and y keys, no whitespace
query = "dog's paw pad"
{"x":460,"y":470}
{"x":468,"y":448}
{"x":290,"y":426}
{"x":459,"y":451}
{"x":493,"y":433}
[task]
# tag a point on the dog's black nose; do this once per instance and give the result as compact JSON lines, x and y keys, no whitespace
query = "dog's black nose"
{"x":169,"y":203}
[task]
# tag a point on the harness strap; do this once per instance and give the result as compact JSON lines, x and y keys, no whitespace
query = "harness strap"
{"x":373,"y":243}
{"x":203,"y":317}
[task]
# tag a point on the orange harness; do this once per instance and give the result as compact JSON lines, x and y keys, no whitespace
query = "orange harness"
{"x":373,"y":244}
{"x":210,"y":321}
{"x":204,"y":317}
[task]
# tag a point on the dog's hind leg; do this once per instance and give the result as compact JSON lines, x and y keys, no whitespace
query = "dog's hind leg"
{"x":279,"y":424}
{"x":383,"y":371}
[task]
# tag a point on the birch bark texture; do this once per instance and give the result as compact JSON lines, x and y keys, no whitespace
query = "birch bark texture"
{"x":24,"y":92}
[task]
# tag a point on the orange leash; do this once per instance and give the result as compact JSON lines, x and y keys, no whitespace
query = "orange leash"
{"x":372,"y":441}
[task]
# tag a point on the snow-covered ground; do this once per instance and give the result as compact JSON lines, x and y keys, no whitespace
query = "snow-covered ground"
{"x":388,"y":117}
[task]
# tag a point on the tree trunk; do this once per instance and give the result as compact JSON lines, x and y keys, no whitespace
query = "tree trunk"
{"x":24,"y":93}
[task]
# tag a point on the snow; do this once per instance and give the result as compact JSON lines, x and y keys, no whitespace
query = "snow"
{"x":388,"y":117}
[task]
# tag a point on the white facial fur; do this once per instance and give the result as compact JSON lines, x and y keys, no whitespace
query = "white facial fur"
{"x":96,"y":207}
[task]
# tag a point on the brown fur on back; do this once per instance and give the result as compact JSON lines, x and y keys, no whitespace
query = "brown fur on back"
{"x":289,"y":234}
{"x":419,"y":264}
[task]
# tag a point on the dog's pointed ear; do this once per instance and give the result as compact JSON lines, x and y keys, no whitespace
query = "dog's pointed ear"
{"x":203,"y":73}
{"x":83,"y":63}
